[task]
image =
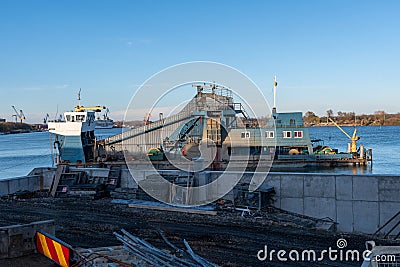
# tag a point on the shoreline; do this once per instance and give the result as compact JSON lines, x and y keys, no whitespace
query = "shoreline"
{"x":349,"y":125}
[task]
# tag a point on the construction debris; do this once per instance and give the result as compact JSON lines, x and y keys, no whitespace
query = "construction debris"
{"x":137,"y":252}
{"x":152,"y":205}
{"x":149,"y":255}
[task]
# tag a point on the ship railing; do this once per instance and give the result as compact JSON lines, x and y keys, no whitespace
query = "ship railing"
{"x":289,"y":126}
{"x":316,"y":157}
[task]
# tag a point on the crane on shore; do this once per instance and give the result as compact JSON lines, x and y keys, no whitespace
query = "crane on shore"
{"x":18,"y":115}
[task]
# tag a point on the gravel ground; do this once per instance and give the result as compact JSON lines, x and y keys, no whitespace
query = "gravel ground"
{"x":227,"y":239}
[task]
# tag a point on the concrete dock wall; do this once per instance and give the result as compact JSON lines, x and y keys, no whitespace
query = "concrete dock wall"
{"x":12,"y":185}
{"x":359,"y":203}
{"x":38,"y":178}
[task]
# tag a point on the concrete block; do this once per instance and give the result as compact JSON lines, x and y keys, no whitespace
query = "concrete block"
{"x":319,"y":186}
{"x":48,"y":176}
{"x":344,"y":216}
{"x":344,"y":188}
{"x":366,"y":216}
{"x":24,"y":183}
{"x":365,"y":188}
{"x":19,"y":240}
{"x":3,"y":187}
{"x":389,"y":188}
{"x":386,"y":211}
{"x":13,"y":185}
{"x":320,"y":207}
{"x":293,"y":205}
{"x":292,"y":186}
{"x":34,"y":183}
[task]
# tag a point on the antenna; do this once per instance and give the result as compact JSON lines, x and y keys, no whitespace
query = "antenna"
{"x":275,"y":84}
{"x":79,"y":97}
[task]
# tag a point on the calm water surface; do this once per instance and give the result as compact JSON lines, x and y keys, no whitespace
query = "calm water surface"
{"x":20,"y":153}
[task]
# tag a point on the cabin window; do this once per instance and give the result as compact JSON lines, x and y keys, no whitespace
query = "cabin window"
{"x":269,"y":134}
{"x":68,"y":117}
{"x":245,"y":135}
{"x":298,"y":134}
{"x":292,"y":122}
{"x":278,"y":121}
{"x":287,"y":134}
{"x":80,"y":117}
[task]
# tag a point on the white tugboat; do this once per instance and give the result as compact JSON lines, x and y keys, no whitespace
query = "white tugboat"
{"x":74,"y":134}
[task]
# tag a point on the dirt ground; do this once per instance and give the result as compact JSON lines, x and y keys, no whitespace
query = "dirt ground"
{"x":227,"y":239}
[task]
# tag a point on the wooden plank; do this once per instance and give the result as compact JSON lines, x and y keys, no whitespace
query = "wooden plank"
{"x":176,"y":209}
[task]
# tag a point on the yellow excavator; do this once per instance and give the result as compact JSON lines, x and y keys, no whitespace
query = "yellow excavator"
{"x":354,"y":138}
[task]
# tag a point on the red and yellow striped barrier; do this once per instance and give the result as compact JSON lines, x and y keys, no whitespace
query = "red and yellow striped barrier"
{"x":53,"y":248}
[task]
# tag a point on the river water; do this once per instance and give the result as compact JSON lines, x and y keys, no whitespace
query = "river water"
{"x":20,"y":153}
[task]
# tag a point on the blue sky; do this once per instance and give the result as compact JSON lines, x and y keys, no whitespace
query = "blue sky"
{"x":342,"y":55}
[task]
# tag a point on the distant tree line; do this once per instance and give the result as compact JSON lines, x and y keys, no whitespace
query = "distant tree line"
{"x":378,"y":118}
{"x":7,"y":127}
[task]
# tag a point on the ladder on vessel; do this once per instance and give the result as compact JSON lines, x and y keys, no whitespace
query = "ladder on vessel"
{"x":56,"y":180}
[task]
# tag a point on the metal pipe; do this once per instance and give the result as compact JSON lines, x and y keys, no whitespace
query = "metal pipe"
{"x":391,"y":229}
{"x":384,"y":225}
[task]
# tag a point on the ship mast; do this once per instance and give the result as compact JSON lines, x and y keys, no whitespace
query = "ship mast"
{"x":79,"y":97}
{"x":275,"y":84}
